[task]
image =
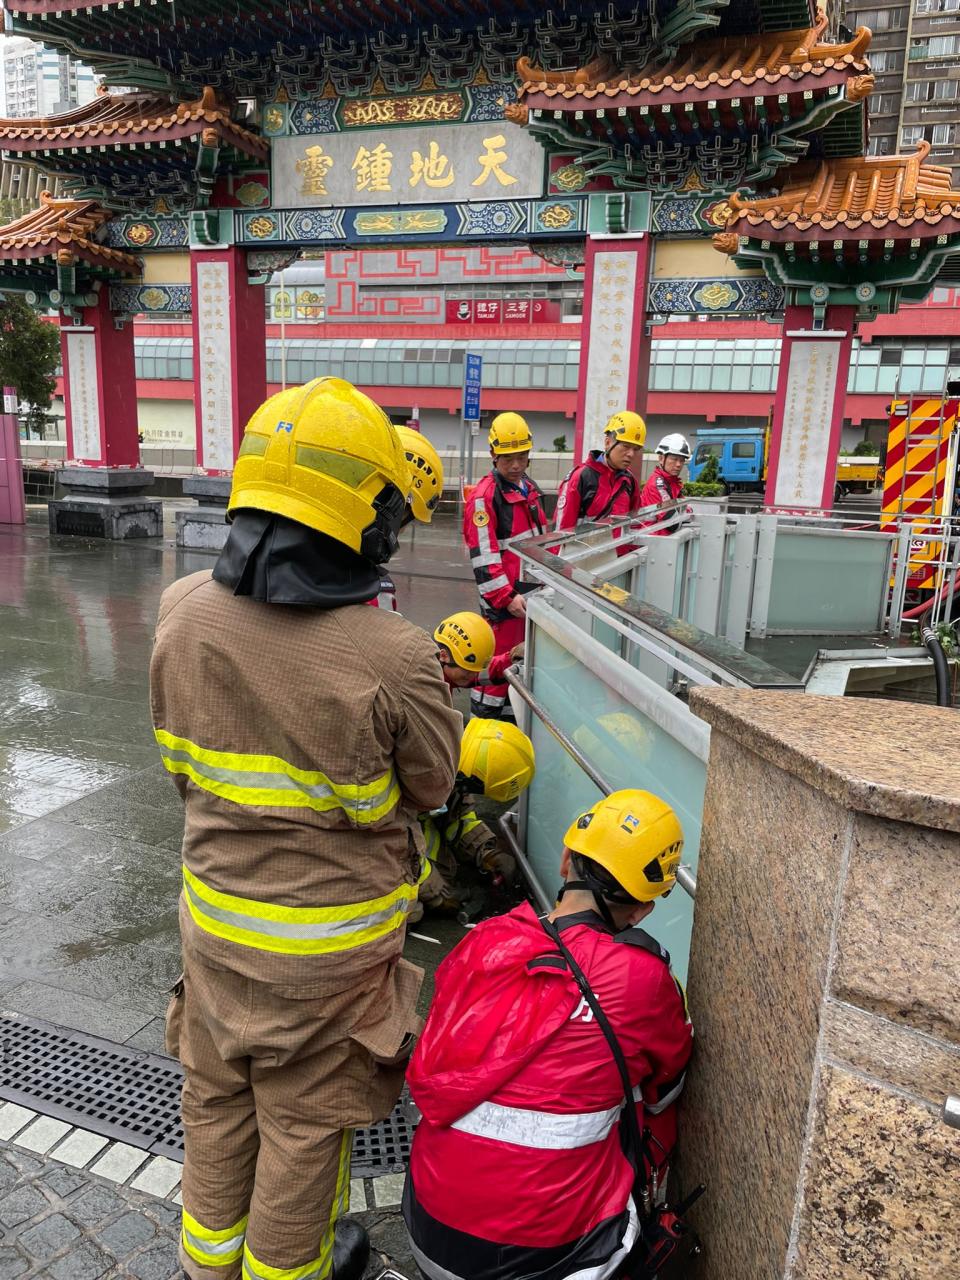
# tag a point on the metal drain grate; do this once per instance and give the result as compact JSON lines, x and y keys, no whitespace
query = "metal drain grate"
{"x":134,"y":1097}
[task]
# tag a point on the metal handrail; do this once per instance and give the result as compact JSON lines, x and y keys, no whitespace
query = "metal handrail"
{"x":685,"y":877}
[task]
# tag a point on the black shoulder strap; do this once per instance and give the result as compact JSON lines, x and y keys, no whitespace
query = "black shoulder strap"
{"x":588,"y":482}
{"x":626,"y":487}
{"x":640,"y":938}
{"x":634,"y":1147}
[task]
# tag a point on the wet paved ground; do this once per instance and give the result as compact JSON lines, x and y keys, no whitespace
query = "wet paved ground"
{"x":90,"y":825}
{"x":90,"y":832}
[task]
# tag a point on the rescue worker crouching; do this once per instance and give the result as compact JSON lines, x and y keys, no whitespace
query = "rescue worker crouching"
{"x":666,"y":483}
{"x":505,"y":504}
{"x":604,"y":486}
{"x":304,"y":734}
{"x":517,"y":1084}
{"x":425,"y":494}
{"x":466,"y":651}
{"x":496,"y":761}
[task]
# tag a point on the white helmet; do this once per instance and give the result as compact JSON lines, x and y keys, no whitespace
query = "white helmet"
{"x":675,"y":444}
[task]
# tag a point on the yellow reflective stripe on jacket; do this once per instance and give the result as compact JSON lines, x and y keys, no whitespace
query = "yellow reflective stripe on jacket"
{"x":270,"y":782}
{"x":212,"y":1248}
{"x":299,"y":931}
{"x":463,"y":826}
{"x":431,"y":835}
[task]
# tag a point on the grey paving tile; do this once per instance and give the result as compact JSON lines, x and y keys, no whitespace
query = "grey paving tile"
{"x":109,"y":1019}
{"x":49,"y":1237}
{"x":21,"y":1205}
{"x":127,"y":1233}
{"x":158,"y":1263}
{"x":86,"y":1262}
{"x":120,"y":816}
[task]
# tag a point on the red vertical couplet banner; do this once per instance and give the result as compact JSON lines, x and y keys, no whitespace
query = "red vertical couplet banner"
{"x":100,"y":388}
{"x":614,"y":350}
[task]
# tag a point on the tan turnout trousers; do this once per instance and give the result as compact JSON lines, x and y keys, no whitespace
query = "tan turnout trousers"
{"x":271,"y":1072}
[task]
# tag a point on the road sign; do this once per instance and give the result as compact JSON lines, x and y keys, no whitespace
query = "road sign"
{"x":472,"y":374}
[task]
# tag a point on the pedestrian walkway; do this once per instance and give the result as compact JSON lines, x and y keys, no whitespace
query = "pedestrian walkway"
{"x":90,"y":831}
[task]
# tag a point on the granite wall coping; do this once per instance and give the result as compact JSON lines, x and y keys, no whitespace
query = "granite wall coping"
{"x":890,"y":759}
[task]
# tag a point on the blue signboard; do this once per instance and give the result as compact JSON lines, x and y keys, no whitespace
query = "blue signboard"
{"x":472,"y":374}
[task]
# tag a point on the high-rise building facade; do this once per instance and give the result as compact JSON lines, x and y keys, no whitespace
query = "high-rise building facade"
{"x":915,"y":56}
{"x":38,"y":81}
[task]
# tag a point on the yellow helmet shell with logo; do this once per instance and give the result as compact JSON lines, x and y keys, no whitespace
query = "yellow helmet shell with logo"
{"x":628,"y":427}
{"x":636,"y":837}
{"x":499,"y":756}
{"x":427,"y":469}
{"x":326,"y":456}
{"x":509,"y":433}
{"x":468,"y":638}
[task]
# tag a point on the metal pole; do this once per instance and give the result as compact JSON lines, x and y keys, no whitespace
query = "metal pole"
{"x":685,"y":877}
{"x":523,"y":861}
{"x":283,"y":331}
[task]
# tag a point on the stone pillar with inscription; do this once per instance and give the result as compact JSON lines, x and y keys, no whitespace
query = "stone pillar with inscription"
{"x":104,"y":481}
{"x":808,"y":409}
{"x":229,"y":380}
{"x":614,"y":351}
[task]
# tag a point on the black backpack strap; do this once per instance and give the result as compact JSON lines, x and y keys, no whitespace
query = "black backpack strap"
{"x":634,"y":1147}
{"x":640,"y":938}
{"x":627,"y":487}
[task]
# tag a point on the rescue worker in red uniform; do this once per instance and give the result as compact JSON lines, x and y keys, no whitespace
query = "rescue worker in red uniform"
{"x":518,"y":1085}
{"x":665,"y":484}
{"x":305,"y":734}
{"x":604,"y":485}
{"x":505,"y":504}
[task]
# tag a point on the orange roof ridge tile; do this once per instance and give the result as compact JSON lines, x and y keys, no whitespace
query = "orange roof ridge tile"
{"x":852,"y":192}
{"x":62,"y":227}
{"x":131,"y":116}
{"x":720,"y":59}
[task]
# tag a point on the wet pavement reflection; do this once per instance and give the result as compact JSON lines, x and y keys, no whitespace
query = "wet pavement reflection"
{"x":90,"y":825}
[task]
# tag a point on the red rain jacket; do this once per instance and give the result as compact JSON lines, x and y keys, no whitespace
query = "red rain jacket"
{"x":594,"y":491}
{"x":518,"y":1151}
{"x":495,"y":511}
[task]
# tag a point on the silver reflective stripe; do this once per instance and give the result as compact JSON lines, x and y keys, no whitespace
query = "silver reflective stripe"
{"x":489,"y":557}
{"x":654,"y":1108}
{"x":298,"y":932}
{"x":488,"y":699}
{"x":541,"y":1130}
{"x":483,"y":540}
{"x":260,"y":781}
{"x":215,"y":1250}
{"x":495,"y":584}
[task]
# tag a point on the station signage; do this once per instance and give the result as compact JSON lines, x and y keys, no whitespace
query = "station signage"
{"x":502,"y":311}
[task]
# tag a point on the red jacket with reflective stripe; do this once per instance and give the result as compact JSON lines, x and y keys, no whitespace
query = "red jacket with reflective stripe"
{"x":495,"y":511}
{"x":594,"y":491}
{"x":511,"y":1052}
{"x":662,"y":488}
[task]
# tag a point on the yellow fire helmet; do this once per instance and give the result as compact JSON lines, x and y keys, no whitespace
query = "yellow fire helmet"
{"x":427,"y":473}
{"x":509,"y":433}
{"x":628,"y":427}
{"x":326,"y":456}
{"x":498,"y":757}
{"x":636,"y":837}
{"x":468,"y":638}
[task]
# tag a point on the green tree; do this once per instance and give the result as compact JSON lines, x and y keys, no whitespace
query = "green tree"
{"x":29,"y":356}
{"x":560,"y":444}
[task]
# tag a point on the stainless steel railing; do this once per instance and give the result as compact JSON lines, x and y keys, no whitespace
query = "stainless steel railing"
{"x":685,"y":877}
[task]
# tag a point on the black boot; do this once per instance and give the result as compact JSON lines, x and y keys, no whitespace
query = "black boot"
{"x":351,"y":1250}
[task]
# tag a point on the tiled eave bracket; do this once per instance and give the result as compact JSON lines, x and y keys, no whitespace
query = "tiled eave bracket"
{"x":55,"y":253}
{"x":874,"y":230}
{"x":123,"y":136}
{"x":352,"y":46}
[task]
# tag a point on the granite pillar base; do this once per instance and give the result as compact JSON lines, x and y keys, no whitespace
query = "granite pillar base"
{"x":103,"y":503}
{"x":204,"y":527}
{"x":824,"y":986}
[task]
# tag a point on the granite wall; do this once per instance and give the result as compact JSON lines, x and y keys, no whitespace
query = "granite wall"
{"x":825,"y":990}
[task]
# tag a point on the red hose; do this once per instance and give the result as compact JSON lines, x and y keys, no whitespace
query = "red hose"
{"x":919,"y":610}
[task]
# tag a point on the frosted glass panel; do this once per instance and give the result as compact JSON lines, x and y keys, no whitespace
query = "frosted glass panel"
{"x":628,"y":749}
{"x":829,"y":583}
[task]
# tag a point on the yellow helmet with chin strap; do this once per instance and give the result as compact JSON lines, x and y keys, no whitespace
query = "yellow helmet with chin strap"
{"x":637,"y":838}
{"x":326,"y":456}
{"x":628,"y":427}
{"x":498,"y":757}
{"x":509,"y":433}
{"x":427,"y":473}
{"x":468,"y":638}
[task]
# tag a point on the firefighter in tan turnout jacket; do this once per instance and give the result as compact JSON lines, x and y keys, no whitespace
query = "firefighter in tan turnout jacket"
{"x":305,"y":734}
